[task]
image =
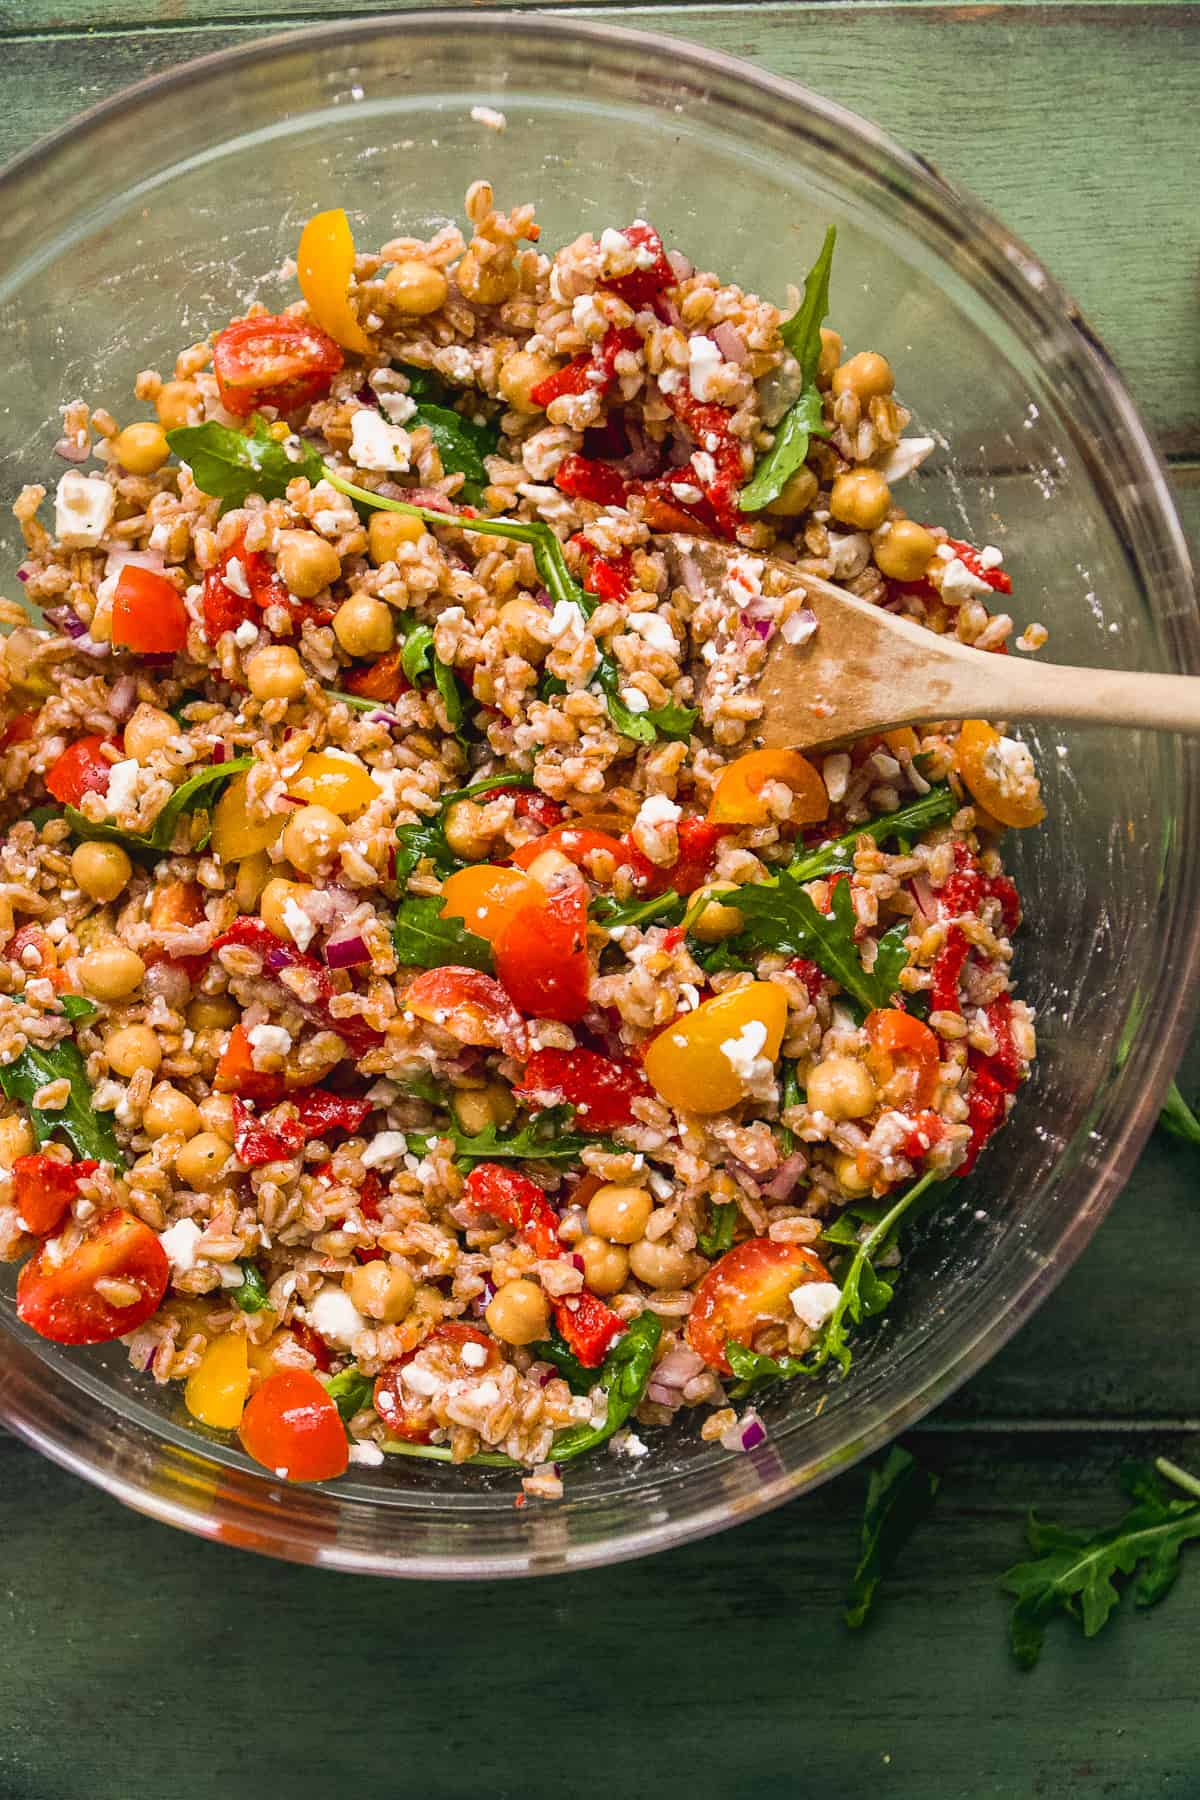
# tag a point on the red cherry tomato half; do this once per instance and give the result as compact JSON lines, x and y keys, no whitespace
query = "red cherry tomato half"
{"x":601,"y":1090}
{"x":904,"y":1058}
{"x":470,"y":1006}
{"x":82,"y":769}
{"x":60,"y":1299}
{"x":541,"y":957}
{"x":748,"y":1288}
{"x":383,"y":679}
{"x":291,"y":1427}
{"x":408,"y":1413}
{"x":576,"y":842}
{"x":43,"y":1189}
{"x":148,"y":614}
{"x":281,"y":362}
{"x":518,"y":1201}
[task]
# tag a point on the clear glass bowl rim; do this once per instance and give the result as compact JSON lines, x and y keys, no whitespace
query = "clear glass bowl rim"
{"x":300,"y":1524}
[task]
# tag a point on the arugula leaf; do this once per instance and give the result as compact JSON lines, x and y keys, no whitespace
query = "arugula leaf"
{"x":350,"y":1391}
{"x":426,"y":838}
{"x":1178,"y":1118}
{"x":423,"y":1086}
{"x":577,"y":1378}
{"x":637,"y":726}
{"x":462,"y":446}
{"x":781,"y":916}
{"x":791,"y":1094}
{"x":356,"y":702}
{"x":545,"y":1138}
{"x":76,"y":1007}
{"x":719,"y":1236}
{"x":424,"y":384}
{"x":486,"y":784}
{"x":424,"y":940}
{"x":252,"y":1296}
{"x":938,"y":804}
{"x":613,"y":914}
{"x":417,"y":655}
{"x":623,"y":1375}
{"x":232,"y":464}
{"x":755,"y":1371}
{"x":802,"y":336}
{"x":487,"y":1459}
{"x":186,"y":798}
{"x":90,"y":1133}
{"x":864,"y":1292}
{"x":900,"y":1494}
{"x":672,"y":720}
{"x":42,"y":815}
{"x":446,"y":683}
{"x":1074,"y":1572}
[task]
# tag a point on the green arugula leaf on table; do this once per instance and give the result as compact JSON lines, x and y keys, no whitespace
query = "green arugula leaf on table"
{"x":350,"y":1391}
{"x":931,"y":809}
{"x":722,"y":1217}
{"x":900,"y":1494}
{"x":424,"y":940}
{"x":90,"y":1133}
{"x":623,"y":1376}
{"x":1177,"y":1117}
{"x":252,"y":1296}
{"x":197,"y":790}
{"x":803,"y":420}
{"x":1075,"y":1571}
{"x":781,"y":916}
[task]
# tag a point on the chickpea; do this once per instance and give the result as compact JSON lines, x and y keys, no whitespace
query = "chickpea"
{"x":519,"y":1313}
{"x":275,"y":673}
{"x":382,"y":1292}
{"x":841,"y":1087}
{"x":216,"y":1116}
{"x":167,"y":1110}
{"x":462,"y":830}
{"x":831,"y":356}
{"x":364,"y":626}
{"x":312,"y":838}
{"x":849,"y":1178}
{"x":212,"y":1012}
{"x":307,"y":563}
{"x":605,"y":1265}
{"x":868,"y":375}
{"x":519,"y":621}
{"x":101,"y":870}
{"x":905,"y":550}
{"x":131,"y":1048}
{"x":619,"y":1213}
{"x":477,"y":1108}
{"x":796,"y":495}
{"x":548,"y":868}
{"x":718,"y":921}
{"x":148,"y":730}
{"x":141,"y":448}
{"x":178,"y":403}
{"x":659,"y":1265}
{"x":415,"y":287}
{"x":16,"y":1139}
{"x":521,"y":372}
{"x":488,"y":283}
{"x":253,"y":874}
{"x":387,"y":531}
{"x":860,"y":497}
{"x":273,"y":901}
{"x":111,"y":972}
{"x":201,"y":1162}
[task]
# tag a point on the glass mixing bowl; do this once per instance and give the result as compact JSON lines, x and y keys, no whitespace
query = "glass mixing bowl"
{"x":154,"y":218}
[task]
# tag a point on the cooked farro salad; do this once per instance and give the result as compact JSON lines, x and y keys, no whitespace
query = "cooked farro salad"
{"x":429,"y":1023}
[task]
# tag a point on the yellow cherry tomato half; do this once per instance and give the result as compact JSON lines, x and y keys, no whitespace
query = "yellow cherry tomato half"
{"x":487,"y":898}
{"x":324,"y":265}
{"x":738,"y":796}
{"x":235,"y":834}
{"x":999,"y":773}
{"x":335,"y":779}
{"x":217,"y":1388}
{"x":705,"y":1061}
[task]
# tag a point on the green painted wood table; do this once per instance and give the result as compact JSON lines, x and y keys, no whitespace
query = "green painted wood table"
{"x":138,"y":1663}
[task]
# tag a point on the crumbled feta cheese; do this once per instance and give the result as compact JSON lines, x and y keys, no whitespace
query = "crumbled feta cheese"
{"x":656,"y":811}
{"x":83,"y":510}
{"x":814,"y":1301}
{"x":660,"y":1187}
{"x":959,"y":584}
{"x":743,"y":1052}
{"x":689,"y":996}
{"x":335,"y":1317}
{"x":670,"y":381}
{"x":704,"y":359}
{"x":990,"y":557}
{"x":587,"y":317}
{"x":385,"y":1147}
{"x":627,"y":1443}
{"x":122,"y":786}
{"x":270,"y":1040}
{"x":835,"y":772}
{"x":705,"y":467}
{"x":614,"y":243}
{"x":366,"y":1453}
{"x":655,"y":631}
{"x":398,"y":407}
{"x":908,"y":455}
{"x":179,"y":1242}
{"x":421,"y":1381}
{"x":246,"y":634}
{"x":746,"y":572}
{"x":231,"y":1276}
{"x":160,"y":536}
{"x":566,"y":619}
{"x":327,"y":521}
{"x":687,"y":492}
{"x":1009,"y":762}
{"x":634,"y":700}
{"x":374,"y":444}
{"x":298,"y":923}
{"x":474,"y":1355}
{"x":234,"y":578}
{"x":487,"y":1393}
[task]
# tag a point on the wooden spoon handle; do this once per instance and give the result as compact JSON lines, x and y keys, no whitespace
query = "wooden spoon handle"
{"x":1005,"y":688}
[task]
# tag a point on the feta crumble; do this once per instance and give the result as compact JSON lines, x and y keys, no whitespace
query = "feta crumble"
{"x":83,"y":510}
{"x":814,"y":1301}
{"x":385,"y":1147}
{"x":122,"y":787}
{"x":743,"y":1053}
{"x":366,"y":1453}
{"x":298,"y":923}
{"x":179,"y":1242}
{"x":704,"y":359}
{"x":334,"y":1316}
{"x":270,"y":1040}
{"x":654,"y":630}
{"x":374,"y":444}
{"x":234,"y":578}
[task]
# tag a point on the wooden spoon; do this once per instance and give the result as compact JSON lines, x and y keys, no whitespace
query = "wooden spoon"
{"x":864,"y":669}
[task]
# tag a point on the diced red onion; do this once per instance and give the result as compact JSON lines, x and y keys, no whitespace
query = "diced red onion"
{"x":761,"y":628}
{"x":644,"y":454}
{"x":22,"y":575}
{"x":431,"y":498}
{"x":545,"y":599}
{"x":753,"y":1433}
{"x":347,"y":953}
{"x":749,"y":1180}
{"x":219,"y":752}
{"x":64,"y":618}
{"x":786,"y":1176}
{"x":925,"y":898}
{"x":293,"y":800}
{"x":746,"y":1434}
{"x":678,"y":1367}
{"x":123,"y":698}
{"x":730,"y":342}
{"x":579,"y":1263}
{"x":693,"y":580}
{"x":670,"y":311}
{"x":681,"y":268}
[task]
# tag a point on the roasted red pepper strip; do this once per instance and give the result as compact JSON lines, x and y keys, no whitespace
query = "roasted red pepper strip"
{"x":596,"y":368}
{"x":947,"y":967}
{"x":601,"y":1090}
{"x":317,"y":1113}
{"x":43,"y":1189}
{"x":529,"y":804}
{"x":985,"y":1113}
{"x":641,"y":287}
{"x":584,"y":479}
{"x":518,"y":1202}
{"x":926,"y":1130}
{"x":698,"y":840}
{"x":608,"y":577}
{"x":587,"y":1327}
{"x":1005,"y":1065}
{"x":252,"y":934}
{"x":996,"y":579}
